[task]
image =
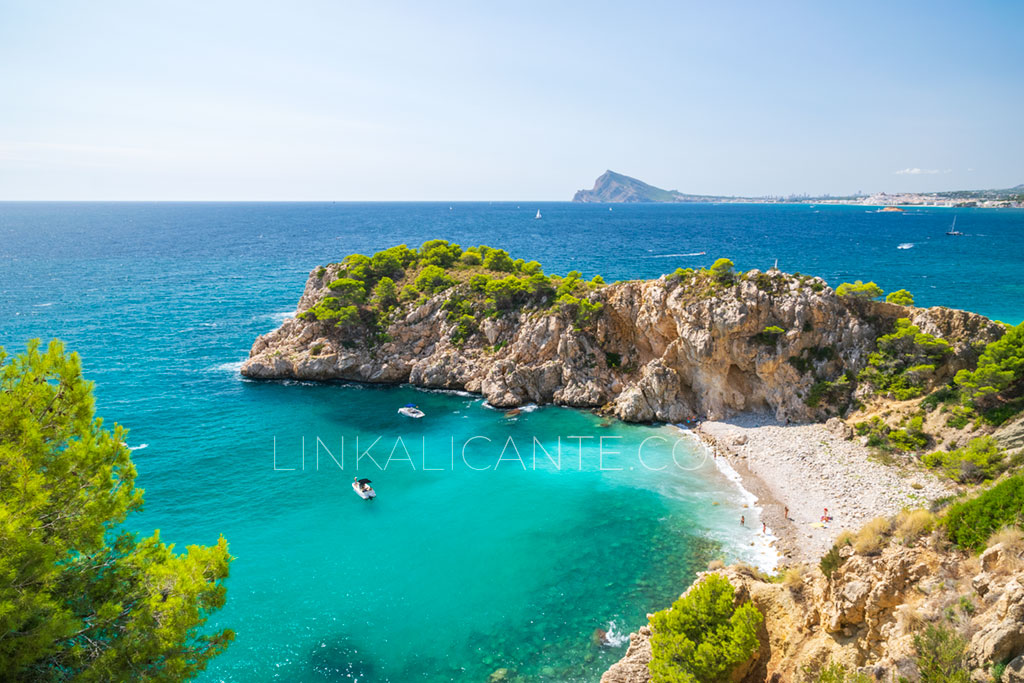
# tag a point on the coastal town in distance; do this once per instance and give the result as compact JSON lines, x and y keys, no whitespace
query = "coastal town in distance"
{"x":612,"y":187}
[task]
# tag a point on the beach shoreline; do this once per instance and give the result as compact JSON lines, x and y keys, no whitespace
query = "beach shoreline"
{"x":807,"y":468}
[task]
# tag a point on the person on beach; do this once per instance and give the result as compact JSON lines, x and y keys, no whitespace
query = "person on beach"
{"x":786,"y":513}
{"x":764,"y":527}
{"x":743,"y":520}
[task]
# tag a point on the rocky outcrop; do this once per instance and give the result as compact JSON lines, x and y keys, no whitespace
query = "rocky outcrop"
{"x":864,"y":617}
{"x":657,"y":351}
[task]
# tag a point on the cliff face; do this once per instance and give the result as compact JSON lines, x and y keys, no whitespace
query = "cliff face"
{"x":656,"y":350}
{"x":866,"y":615}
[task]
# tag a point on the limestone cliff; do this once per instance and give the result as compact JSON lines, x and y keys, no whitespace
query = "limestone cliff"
{"x":658,"y":350}
{"x":864,"y":617}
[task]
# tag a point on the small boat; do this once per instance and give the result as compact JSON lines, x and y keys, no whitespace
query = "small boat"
{"x":410,"y":410}
{"x":890,"y":209}
{"x":513,"y":413}
{"x":363,"y":489}
{"x":538,"y":214}
{"x":952,"y":230}
{"x":906,"y":245}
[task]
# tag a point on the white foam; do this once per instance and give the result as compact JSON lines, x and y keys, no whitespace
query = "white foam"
{"x":694,"y":253}
{"x":48,"y":303}
{"x":233,"y":366}
{"x":614,"y":639}
{"x":139,"y":447}
{"x":279,"y":317}
{"x":447,"y":392}
{"x":765,"y":557}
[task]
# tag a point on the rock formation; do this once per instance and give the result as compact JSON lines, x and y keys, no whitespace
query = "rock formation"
{"x":864,"y":617}
{"x":657,"y":350}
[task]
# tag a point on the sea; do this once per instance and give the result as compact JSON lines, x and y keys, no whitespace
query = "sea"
{"x":532,"y":542}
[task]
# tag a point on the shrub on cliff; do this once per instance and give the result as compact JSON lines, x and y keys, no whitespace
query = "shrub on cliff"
{"x":769,"y":335}
{"x":980,"y":460}
{"x":834,"y":673}
{"x":499,"y":260}
{"x":348,"y":290}
{"x":331,"y":310}
{"x":440,"y":253}
{"x":582,"y":311}
{"x":940,"y":656}
{"x":385,"y":294}
{"x":901,"y":297}
{"x":860,"y":290}
{"x":392,"y":262}
{"x":704,"y":636}
{"x":432,"y":280}
{"x":904,"y":361}
{"x":831,"y":561}
{"x":81,"y":597}
{"x":721,"y":270}
{"x":998,"y":380}
{"x":971,"y":522}
{"x":358,"y":266}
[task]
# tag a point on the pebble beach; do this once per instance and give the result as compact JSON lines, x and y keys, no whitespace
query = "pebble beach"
{"x":808,"y":468}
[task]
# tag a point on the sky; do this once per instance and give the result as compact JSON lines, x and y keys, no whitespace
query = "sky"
{"x":368,"y":101}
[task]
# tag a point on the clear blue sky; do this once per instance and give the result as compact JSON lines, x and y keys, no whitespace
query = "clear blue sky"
{"x":515,"y":100}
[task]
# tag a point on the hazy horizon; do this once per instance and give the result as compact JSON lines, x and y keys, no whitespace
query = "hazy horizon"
{"x":458,"y":102}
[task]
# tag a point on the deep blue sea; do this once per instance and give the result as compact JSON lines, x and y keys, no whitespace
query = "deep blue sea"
{"x":473,"y":557}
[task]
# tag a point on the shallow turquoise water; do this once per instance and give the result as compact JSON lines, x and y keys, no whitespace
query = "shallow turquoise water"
{"x":448,"y":574}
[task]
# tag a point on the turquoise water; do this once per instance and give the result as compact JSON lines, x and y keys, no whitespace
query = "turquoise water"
{"x":448,"y":574}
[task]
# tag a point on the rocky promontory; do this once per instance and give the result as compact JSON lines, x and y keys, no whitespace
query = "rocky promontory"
{"x":692,"y":343}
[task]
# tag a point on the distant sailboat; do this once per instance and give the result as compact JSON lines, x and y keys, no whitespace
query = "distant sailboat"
{"x":538,"y":214}
{"x":952,"y":230}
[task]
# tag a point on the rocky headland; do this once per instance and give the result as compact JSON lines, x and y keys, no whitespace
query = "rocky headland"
{"x":681,"y":346}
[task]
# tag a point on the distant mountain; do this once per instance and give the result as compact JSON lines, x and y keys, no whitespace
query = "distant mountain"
{"x":612,"y":187}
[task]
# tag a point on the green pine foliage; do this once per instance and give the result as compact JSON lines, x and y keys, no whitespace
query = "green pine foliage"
{"x":908,"y":436}
{"x":831,"y":561}
{"x":704,"y":636}
{"x":834,"y":673}
{"x":332,"y":310}
{"x":940,"y":655}
{"x":998,"y":380}
{"x":433,"y":279}
{"x":980,"y":460}
{"x":901,"y":297}
{"x":348,"y":291}
{"x":479,"y":281}
{"x":971,"y":522}
{"x":722,"y":271}
{"x":385,"y":294}
{"x":769,"y":335}
{"x":859,"y":290}
{"x":499,"y":260}
{"x":81,"y":598}
{"x":905,"y":361}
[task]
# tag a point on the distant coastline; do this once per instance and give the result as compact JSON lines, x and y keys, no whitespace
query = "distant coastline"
{"x":616,"y":188}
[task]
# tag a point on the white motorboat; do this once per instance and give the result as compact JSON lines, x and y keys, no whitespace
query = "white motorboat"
{"x":363,"y":489}
{"x":409,"y":410}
